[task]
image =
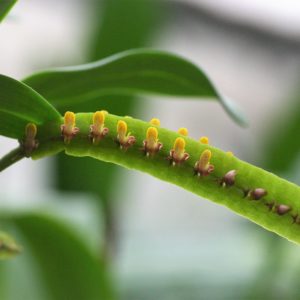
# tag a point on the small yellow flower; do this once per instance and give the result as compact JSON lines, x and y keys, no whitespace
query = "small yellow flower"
{"x":97,"y":129}
{"x":68,"y":129}
{"x":183,"y":131}
{"x":151,"y":143}
{"x":155,"y":122}
{"x":178,"y":154}
{"x":203,"y":167}
{"x":123,"y":139}
{"x":204,"y":140}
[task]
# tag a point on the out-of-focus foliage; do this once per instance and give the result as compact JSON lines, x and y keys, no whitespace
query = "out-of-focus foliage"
{"x":5,"y":7}
{"x":283,"y":143}
{"x":281,"y":153}
{"x":60,"y":263}
{"x":125,"y":24}
{"x":8,"y":246}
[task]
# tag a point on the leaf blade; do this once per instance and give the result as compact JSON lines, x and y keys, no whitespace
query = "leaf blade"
{"x":141,"y":18}
{"x":5,"y":7}
{"x":282,"y":146}
{"x":19,"y":105}
{"x":138,"y":71}
{"x":68,"y":269}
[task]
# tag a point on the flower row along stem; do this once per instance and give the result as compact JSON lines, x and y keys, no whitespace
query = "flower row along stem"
{"x":252,"y":192}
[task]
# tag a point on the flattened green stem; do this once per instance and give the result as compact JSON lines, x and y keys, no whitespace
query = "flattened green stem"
{"x":11,"y":158}
{"x":248,"y":176}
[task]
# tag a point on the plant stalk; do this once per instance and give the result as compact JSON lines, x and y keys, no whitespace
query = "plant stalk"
{"x":254,"y":193}
{"x":11,"y":158}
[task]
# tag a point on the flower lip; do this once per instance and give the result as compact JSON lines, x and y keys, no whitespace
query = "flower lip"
{"x":203,"y":167}
{"x":97,"y":129}
{"x":178,"y":154}
{"x":151,"y":145}
{"x":124,"y":139}
{"x":68,"y":129}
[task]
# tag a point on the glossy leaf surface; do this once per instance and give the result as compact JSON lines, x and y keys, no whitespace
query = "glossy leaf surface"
{"x":128,"y":73}
{"x":19,"y":105}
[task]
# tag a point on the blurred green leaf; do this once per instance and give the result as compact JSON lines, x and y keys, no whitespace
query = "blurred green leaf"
{"x":15,"y":273}
{"x":280,"y":155}
{"x":282,"y":143}
{"x":5,"y":7}
{"x":20,"y":104}
{"x":131,"y":72}
{"x":67,"y":267}
{"x":125,"y":24}
{"x":8,"y":246}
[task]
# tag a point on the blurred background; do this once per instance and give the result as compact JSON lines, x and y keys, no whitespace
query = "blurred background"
{"x":83,"y":223}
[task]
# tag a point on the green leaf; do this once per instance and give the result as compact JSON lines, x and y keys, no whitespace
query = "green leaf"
{"x":128,"y":73}
{"x":19,"y":105}
{"x":65,"y":265}
{"x":5,"y":7}
{"x":8,"y":246}
{"x":140,"y":18}
{"x":282,"y":143}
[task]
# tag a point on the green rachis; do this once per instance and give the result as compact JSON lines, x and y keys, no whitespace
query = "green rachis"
{"x":254,"y":193}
